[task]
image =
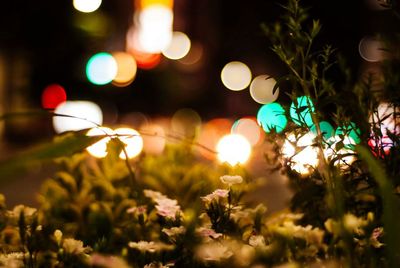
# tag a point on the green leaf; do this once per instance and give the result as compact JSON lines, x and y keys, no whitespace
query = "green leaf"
{"x":64,"y":146}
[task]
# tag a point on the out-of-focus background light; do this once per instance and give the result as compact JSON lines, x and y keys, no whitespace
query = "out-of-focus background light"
{"x":133,"y":142}
{"x":211,"y":132}
{"x":233,"y":149}
{"x":154,"y":138}
{"x":236,"y":75}
{"x":326,"y":129}
{"x":272,"y":116}
{"x":101,"y":68}
{"x":99,"y":149}
{"x":186,"y":123}
{"x":52,"y":96}
{"x":178,"y":48}
{"x":371,"y":49}
{"x":88,"y":115}
{"x":301,"y":110}
{"x":300,"y":153}
{"x":126,"y":68}
{"x":248,"y":128}
{"x":86,"y":6}
{"x":351,"y":133}
{"x":261,"y":89}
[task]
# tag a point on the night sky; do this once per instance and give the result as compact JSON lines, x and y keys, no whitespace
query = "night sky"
{"x":41,"y":43}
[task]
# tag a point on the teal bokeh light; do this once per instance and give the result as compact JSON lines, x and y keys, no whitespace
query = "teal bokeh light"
{"x":300,"y":111}
{"x":326,"y":129}
{"x":272,"y":116}
{"x":351,"y":130}
{"x":101,"y":68}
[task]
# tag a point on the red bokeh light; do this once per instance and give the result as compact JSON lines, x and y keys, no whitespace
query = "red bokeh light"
{"x":52,"y":96}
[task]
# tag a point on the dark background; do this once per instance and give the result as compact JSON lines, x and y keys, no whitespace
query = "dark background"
{"x":40,"y":44}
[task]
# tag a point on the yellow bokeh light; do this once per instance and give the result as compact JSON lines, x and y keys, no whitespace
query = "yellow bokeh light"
{"x":342,"y":157}
{"x":126,"y":68}
{"x":154,"y":139}
{"x":133,"y":142}
{"x":99,"y":149}
{"x":86,"y":6}
{"x":186,"y":122}
{"x":261,"y":89}
{"x":233,"y":149}
{"x":300,"y":152}
{"x":248,"y":128}
{"x":147,"y":3}
{"x":179,"y":46}
{"x":236,"y":75}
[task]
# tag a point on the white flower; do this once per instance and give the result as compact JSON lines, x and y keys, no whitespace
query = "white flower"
{"x":153,"y":195}
{"x":73,"y":246}
{"x":208,"y":232}
{"x":168,"y":208}
{"x":219,"y":193}
{"x":230,"y":180}
{"x":174,"y":231}
{"x":213,"y":252}
{"x":145,"y":246}
{"x":108,"y":261}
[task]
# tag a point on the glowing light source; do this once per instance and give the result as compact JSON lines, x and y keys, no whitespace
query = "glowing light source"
{"x":147,"y":3}
{"x":86,"y":6}
{"x":126,"y":69}
{"x":154,"y":140}
{"x":326,"y":128}
{"x":371,"y":49}
{"x":302,"y":156}
{"x":155,"y":28}
{"x":133,"y":142}
{"x":211,"y":133}
{"x":261,"y":89}
{"x":236,"y":75}
{"x":52,"y":96}
{"x":178,"y":47}
{"x":349,"y":131}
{"x":342,"y":156}
{"x":272,"y":116}
{"x":101,"y":68}
{"x":248,"y":128}
{"x":233,"y":149}
{"x":300,"y":111}
{"x":88,"y":115}
{"x":99,"y":149}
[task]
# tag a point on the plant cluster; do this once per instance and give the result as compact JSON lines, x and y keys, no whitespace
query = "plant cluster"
{"x":173,"y":210}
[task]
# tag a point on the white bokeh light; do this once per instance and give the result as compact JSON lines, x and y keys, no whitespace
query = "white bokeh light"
{"x":88,"y":115}
{"x":261,"y":89}
{"x":302,"y":155}
{"x":99,"y":149}
{"x":133,"y":142}
{"x":179,"y":46}
{"x":233,"y":149}
{"x":236,"y":76}
{"x":86,"y":6}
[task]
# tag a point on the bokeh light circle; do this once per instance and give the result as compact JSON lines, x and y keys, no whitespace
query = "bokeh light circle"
{"x":326,"y":129}
{"x":272,"y":116}
{"x":350,"y":131}
{"x":126,"y":68}
{"x":301,"y":153}
{"x":236,"y":75}
{"x":248,"y":128}
{"x":88,"y":115}
{"x":179,"y":46}
{"x":101,"y":68}
{"x":86,"y":6}
{"x":99,"y":149}
{"x":52,"y":96}
{"x":300,"y":111}
{"x":133,"y":142}
{"x":371,"y":49}
{"x":233,"y":149}
{"x":261,"y":89}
